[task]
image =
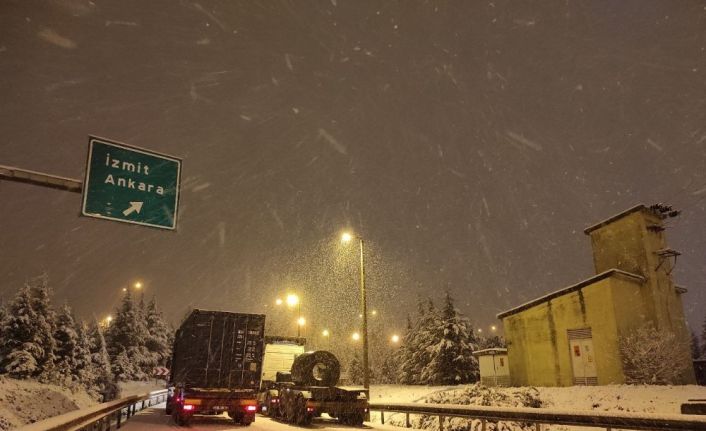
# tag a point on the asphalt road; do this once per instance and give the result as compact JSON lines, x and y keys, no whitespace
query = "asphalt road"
{"x":154,"y":419}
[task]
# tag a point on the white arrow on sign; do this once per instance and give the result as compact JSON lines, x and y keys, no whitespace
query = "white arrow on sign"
{"x":134,"y":207}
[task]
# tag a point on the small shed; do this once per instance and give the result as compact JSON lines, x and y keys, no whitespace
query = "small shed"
{"x":494,"y":368}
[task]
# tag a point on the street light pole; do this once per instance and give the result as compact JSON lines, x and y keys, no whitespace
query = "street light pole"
{"x":364,"y":307}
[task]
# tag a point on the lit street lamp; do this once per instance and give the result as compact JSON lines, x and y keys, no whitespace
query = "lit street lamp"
{"x":325,"y":333}
{"x":395,"y":339}
{"x":355,"y":336}
{"x":292,"y":301}
{"x":493,"y":328}
{"x":345,"y":238}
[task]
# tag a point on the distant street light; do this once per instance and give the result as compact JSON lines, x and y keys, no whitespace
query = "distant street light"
{"x":138,"y":285}
{"x":395,"y":339}
{"x":292,"y":300}
{"x":325,"y":333}
{"x":374,"y":313}
{"x":480,"y":330}
{"x":355,"y":336}
{"x":493,"y":328}
{"x":346,"y":237}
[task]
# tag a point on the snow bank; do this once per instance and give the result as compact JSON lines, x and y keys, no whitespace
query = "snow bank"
{"x":140,"y":387}
{"x":603,"y":399}
{"x":26,"y":401}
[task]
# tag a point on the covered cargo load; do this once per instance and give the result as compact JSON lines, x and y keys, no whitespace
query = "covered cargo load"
{"x":218,"y":349}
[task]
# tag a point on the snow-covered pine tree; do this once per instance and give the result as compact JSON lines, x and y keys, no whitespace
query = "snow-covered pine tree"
{"x":126,"y":338}
{"x":389,"y":368}
{"x":85,"y":371}
{"x":695,"y":346}
{"x":451,"y":358}
{"x":100,"y":360}
{"x":46,"y":325}
{"x":414,"y":352}
{"x":355,"y":370}
{"x":66,"y":349}
{"x":22,"y":351}
{"x":158,"y":343}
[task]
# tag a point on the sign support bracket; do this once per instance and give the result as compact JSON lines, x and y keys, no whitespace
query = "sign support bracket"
{"x":26,"y":176}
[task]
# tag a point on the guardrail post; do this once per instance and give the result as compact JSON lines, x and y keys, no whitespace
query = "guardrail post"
{"x":120,"y":417}
{"x":538,"y":426}
{"x":483,"y":424}
{"x":441,"y":423}
{"x":382,"y":417}
{"x":406,"y":421}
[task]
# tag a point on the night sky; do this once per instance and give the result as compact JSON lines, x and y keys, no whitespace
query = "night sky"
{"x":468,"y":142}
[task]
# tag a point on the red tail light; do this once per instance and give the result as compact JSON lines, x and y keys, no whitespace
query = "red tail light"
{"x":310,"y":409}
{"x":251,"y":408}
{"x":188,"y":407}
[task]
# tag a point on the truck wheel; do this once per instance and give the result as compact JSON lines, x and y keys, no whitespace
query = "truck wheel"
{"x":302,"y":416}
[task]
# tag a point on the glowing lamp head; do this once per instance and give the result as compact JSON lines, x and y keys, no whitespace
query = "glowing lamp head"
{"x":493,"y":328}
{"x":301,"y":321}
{"x":346,"y":237}
{"x":109,"y":318}
{"x":138,"y":285}
{"x":325,"y":333}
{"x":395,"y":338}
{"x":292,"y":300}
{"x":279,"y":301}
{"x":355,"y":336}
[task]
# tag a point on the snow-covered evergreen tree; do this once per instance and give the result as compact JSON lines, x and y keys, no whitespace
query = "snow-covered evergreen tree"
{"x":85,"y":371}
{"x":126,"y":340}
{"x":22,"y":351}
{"x":45,"y":326}
{"x":103,"y":374}
{"x":415,"y":350}
{"x":451,"y":359}
{"x":491,"y":342}
{"x":389,"y":368}
{"x":355,"y":370}
{"x":66,"y":350}
{"x":159,"y":340}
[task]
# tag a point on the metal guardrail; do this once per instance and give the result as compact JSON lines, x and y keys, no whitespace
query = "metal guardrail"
{"x":102,"y":417}
{"x":539,"y":417}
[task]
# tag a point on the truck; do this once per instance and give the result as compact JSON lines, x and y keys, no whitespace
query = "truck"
{"x":216,"y":366}
{"x":309,"y":388}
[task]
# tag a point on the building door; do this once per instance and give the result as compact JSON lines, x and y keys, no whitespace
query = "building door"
{"x":583,"y":358}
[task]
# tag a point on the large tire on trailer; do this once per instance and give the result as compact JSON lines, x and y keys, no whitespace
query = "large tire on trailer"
{"x":318,"y":368}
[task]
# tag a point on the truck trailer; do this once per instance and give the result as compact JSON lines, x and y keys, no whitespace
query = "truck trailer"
{"x":309,"y":389}
{"x":216,"y":366}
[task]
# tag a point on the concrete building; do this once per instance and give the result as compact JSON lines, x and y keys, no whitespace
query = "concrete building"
{"x":571,"y":336}
{"x":494,"y":367}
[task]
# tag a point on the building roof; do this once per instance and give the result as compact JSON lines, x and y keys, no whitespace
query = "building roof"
{"x":572,"y":288}
{"x":492,"y":351}
{"x":609,"y":220}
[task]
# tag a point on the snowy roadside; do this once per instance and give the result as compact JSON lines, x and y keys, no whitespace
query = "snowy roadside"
{"x":25,"y":401}
{"x":615,"y":398}
{"x":139,"y":388}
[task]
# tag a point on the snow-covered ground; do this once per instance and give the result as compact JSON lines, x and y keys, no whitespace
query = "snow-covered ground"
{"x":615,"y":398}
{"x":139,"y":388}
{"x":26,"y":401}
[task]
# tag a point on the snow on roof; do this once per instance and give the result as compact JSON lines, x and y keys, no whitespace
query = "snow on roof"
{"x":572,"y":288}
{"x":491,"y":351}
{"x":609,"y":220}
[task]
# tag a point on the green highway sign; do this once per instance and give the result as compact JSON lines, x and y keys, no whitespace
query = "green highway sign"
{"x":131,"y":185}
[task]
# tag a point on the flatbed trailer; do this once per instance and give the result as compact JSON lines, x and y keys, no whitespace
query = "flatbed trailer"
{"x":301,"y":404}
{"x":308,"y":389}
